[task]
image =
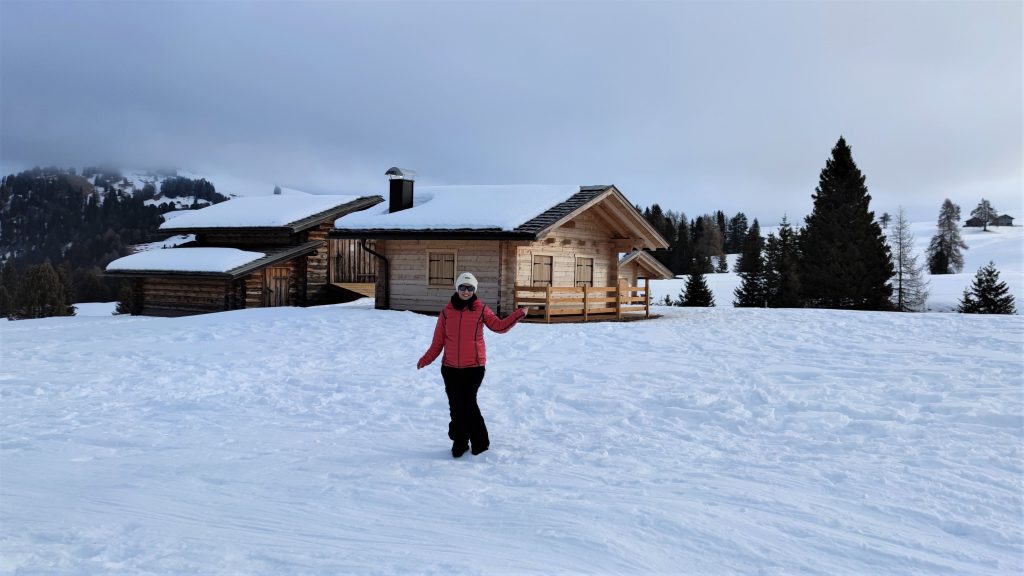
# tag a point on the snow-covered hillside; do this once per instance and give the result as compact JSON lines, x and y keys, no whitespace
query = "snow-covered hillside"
{"x":708,"y":441}
{"x":1002,"y":245}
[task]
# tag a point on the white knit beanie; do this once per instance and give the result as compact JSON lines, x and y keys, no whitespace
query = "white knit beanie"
{"x":465,"y":278}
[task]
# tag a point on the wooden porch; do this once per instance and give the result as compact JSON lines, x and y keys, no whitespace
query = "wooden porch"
{"x":585,"y":303}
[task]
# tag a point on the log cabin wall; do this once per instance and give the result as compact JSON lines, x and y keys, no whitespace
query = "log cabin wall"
{"x":253,"y":290}
{"x":240,"y":240}
{"x":584,"y":237}
{"x":256,"y":294}
{"x":630,"y":272}
{"x":408,"y":271}
{"x":182,"y":296}
{"x":316,"y":264}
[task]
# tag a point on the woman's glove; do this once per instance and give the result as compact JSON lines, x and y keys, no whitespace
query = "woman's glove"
{"x":421,"y":363}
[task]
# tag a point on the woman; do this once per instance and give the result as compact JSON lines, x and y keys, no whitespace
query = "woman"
{"x":460,"y":333}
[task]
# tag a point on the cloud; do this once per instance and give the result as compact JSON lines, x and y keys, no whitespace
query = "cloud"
{"x":696,"y":106}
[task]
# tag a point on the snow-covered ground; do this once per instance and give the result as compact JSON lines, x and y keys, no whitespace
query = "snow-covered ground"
{"x":708,"y":441}
{"x":1002,"y":245}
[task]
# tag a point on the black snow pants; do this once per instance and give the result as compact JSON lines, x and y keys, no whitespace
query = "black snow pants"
{"x":467,"y":424}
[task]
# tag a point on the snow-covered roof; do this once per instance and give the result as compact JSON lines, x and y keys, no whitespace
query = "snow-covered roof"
{"x":463,"y":208}
{"x":197,"y":259}
{"x":259,"y":211}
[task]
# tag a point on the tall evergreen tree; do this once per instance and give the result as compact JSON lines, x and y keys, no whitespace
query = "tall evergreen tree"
{"x":723,"y":228}
{"x":987,"y":295}
{"x":910,"y":289}
{"x":753,"y":288}
{"x":844,"y":262}
{"x":753,"y":247}
{"x":736,"y":234}
{"x":696,"y":291}
{"x":782,"y":268}
{"x":682,"y":251}
{"x":944,"y":255}
{"x":706,"y":241}
{"x":8,"y":288}
{"x":984,"y":212}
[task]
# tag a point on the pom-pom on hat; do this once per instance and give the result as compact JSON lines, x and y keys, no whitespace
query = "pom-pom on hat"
{"x":466,"y":278}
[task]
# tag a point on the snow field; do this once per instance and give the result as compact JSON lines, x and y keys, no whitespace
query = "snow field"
{"x":712,"y":441}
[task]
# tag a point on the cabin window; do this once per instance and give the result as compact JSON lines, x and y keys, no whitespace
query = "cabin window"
{"x":542,"y":270}
{"x":441,"y":269}
{"x":585,"y":272}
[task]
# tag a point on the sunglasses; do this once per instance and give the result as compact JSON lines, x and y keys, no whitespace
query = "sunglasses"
{"x":466,"y":288}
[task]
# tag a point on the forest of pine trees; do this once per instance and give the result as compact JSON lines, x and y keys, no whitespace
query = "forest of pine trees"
{"x":55,"y":223}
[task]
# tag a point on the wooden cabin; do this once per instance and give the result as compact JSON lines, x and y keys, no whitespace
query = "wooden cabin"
{"x":248,"y":252}
{"x":556,"y":248}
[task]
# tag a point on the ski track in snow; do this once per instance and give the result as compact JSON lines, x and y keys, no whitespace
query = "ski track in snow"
{"x":708,"y":441}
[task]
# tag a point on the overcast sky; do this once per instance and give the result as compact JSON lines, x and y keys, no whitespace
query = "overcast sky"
{"x":696,"y":106}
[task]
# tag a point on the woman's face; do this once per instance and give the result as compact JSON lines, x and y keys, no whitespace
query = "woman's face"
{"x":466,"y":291}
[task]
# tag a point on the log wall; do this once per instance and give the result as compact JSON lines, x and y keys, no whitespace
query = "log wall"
{"x":585,"y":237}
{"x":314,"y":282}
{"x":236,"y":240}
{"x":183,"y":296}
{"x":408,"y":271}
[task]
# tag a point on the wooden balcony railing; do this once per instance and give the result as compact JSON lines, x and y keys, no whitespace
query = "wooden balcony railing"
{"x":585,"y":303}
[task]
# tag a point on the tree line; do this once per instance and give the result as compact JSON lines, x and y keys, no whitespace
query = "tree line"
{"x":841,"y":258}
{"x":59,"y":229}
{"x":703,"y":241}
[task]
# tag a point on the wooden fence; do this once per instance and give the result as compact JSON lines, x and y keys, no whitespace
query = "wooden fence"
{"x":585,"y":303}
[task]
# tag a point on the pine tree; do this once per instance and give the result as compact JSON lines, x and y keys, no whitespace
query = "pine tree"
{"x":752,"y":290}
{"x":736,"y":234}
{"x":845,"y":262}
{"x":40,"y":294}
{"x":752,"y":252}
{"x":910,"y":289}
{"x":8,"y":288}
{"x":944,"y":255}
{"x":127,"y":301}
{"x":681,"y":252}
{"x":782,"y":272}
{"x":723,"y":265}
{"x":987,"y":295}
{"x":706,"y":241}
{"x":696,"y":291}
{"x":984,"y":212}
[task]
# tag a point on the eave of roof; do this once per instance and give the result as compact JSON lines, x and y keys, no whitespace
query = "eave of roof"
{"x":405,"y":234}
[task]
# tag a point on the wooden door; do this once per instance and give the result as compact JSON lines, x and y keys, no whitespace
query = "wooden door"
{"x":275,"y":286}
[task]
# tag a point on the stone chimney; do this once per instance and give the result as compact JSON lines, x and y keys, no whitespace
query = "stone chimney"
{"x":401,"y":188}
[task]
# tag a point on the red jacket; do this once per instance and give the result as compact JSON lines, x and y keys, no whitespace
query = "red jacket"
{"x":461,"y":334}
